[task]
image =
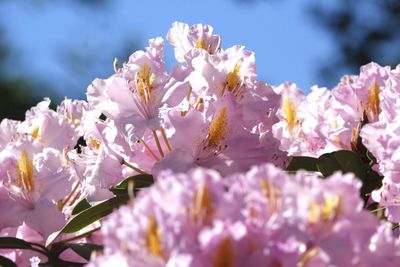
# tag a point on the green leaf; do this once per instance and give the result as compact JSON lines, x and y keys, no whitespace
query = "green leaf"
{"x":302,"y":163}
{"x":139,"y":181}
{"x":6,"y":262}
{"x":89,"y":216}
{"x":81,"y":206}
{"x":14,"y":243}
{"x":85,"y":249}
{"x":342,"y":160}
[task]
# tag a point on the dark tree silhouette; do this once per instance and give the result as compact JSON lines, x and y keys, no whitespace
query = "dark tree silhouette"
{"x":19,"y":92}
{"x":362,"y":30}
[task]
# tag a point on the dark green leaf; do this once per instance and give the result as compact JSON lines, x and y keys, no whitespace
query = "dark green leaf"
{"x":84,"y":250}
{"x":89,"y":216}
{"x":6,"y":262}
{"x":139,"y":181}
{"x":14,"y":243}
{"x":302,"y":163}
{"x":81,"y":206}
{"x":93,"y":214}
{"x":342,"y":160}
{"x":371,"y":182}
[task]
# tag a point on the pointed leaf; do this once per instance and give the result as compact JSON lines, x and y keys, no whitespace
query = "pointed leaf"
{"x":89,"y":216}
{"x":85,"y":249}
{"x":139,"y":181}
{"x":342,"y":160}
{"x":6,"y":262}
{"x":14,"y":243}
{"x":81,"y":206}
{"x":302,"y":163}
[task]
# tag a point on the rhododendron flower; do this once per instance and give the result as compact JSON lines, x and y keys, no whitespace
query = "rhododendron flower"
{"x":49,"y":128}
{"x":262,"y":217}
{"x":33,"y":181}
{"x":185,"y":40}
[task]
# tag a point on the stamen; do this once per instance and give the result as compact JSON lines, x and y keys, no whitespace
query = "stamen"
{"x":133,"y":167}
{"x":189,"y":93}
{"x":148,"y":149}
{"x":164,"y":136}
{"x":144,"y":82}
{"x":198,"y":103}
{"x":158,"y":143}
{"x":116,"y":67}
{"x":307,"y":256}
{"x":67,"y":198}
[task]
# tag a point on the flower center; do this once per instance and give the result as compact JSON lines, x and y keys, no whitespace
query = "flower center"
{"x":373,"y":101}
{"x":202,"y":203}
{"x":144,"y":82}
{"x":25,"y":172}
{"x":329,"y":209}
{"x":224,"y":254}
{"x":202,"y":44}
{"x":153,"y":240}
{"x":289,"y":112}
{"x":218,"y":128}
{"x":233,"y":79}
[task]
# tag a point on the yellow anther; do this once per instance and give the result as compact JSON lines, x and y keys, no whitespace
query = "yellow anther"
{"x":202,"y":203}
{"x":328,"y":210}
{"x":373,"y":101}
{"x":144,"y":80}
{"x":289,"y":112}
{"x":35,"y":133}
{"x":307,"y":256}
{"x":94,"y":142}
{"x":202,"y":44}
{"x":233,"y":78}
{"x":153,"y":240}
{"x":25,"y":172}
{"x":218,"y":127}
{"x":224,"y":255}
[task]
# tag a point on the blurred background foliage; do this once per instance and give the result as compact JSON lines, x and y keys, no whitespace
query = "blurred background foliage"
{"x":360,"y":31}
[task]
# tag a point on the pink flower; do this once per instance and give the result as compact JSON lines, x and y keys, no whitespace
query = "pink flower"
{"x":33,"y":181}
{"x":186,"y":41}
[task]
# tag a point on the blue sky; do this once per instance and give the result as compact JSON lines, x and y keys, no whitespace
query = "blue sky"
{"x":68,"y":45}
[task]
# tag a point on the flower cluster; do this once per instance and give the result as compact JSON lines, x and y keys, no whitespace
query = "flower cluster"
{"x":264,"y":217}
{"x":329,"y":120}
{"x":200,"y":129}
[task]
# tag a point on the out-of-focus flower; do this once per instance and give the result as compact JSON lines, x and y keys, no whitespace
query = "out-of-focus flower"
{"x":262,"y":217}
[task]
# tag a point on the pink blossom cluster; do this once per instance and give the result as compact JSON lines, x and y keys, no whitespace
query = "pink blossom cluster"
{"x":210,"y":117}
{"x":329,"y":120}
{"x":264,"y":217}
{"x":323,"y":121}
{"x":37,"y":183}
